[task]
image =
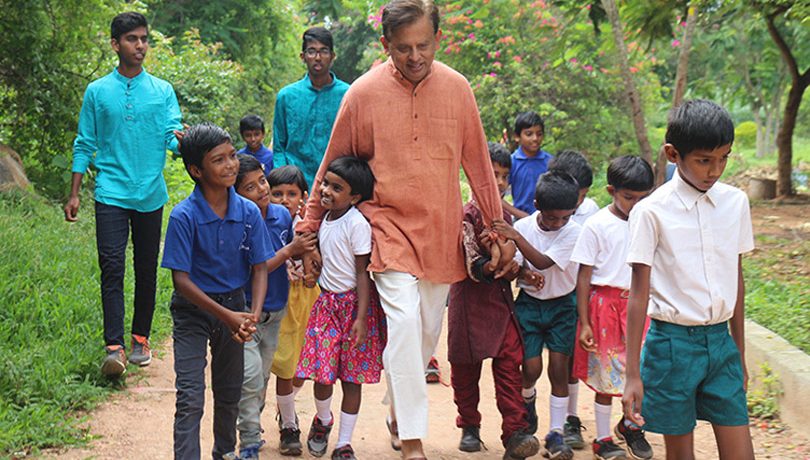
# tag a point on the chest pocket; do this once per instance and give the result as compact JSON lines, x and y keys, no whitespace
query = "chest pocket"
{"x":444,"y":138}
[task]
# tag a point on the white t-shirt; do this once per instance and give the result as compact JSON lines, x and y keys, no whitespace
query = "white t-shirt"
{"x":603,"y":244}
{"x":692,"y":241}
{"x":561,"y":277}
{"x":585,"y":210}
{"x":340,"y":241}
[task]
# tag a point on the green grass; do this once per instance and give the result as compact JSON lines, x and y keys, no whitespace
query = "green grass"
{"x":51,"y":323}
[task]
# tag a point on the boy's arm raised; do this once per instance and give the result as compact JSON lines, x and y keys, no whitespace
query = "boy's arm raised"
{"x":232,"y":319}
{"x":636,"y":314}
{"x":537,"y":258}
{"x":737,"y":322}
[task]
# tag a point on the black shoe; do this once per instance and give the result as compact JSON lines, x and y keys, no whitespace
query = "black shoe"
{"x":637,"y":445}
{"x":470,"y":439}
{"x":556,"y":448}
{"x":606,"y":449}
{"x":531,"y":414}
{"x":290,"y":443}
{"x":572,"y":432}
{"x":521,"y":445}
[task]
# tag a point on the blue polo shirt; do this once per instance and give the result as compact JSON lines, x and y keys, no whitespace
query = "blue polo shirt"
{"x":523,"y":177}
{"x":216,"y":253}
{"x":125,"y":127}
{"x":279,"y":228}
{"x":264,"y":155}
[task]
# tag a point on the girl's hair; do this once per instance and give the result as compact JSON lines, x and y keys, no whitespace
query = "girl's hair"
{"x":247,"y":163}
{"x":575,"y":164}
{"x":357,"y":173}
{"x":631,"y":173}
{"x":556,"y":190}
{"x":287,"y":174}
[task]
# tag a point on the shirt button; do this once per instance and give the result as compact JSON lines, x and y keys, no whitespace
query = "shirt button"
{"x":129,"y":117}
{"x":416,"y":138}
{"x":416,"y":115}
{"x":221,"y":242}
{"x":129,"y":106}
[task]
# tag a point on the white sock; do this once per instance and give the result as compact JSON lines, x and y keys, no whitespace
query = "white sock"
{"x":347,"y":422}
{"x":557,"y":408}
{"x":602,"y":413}
{"x":324,"y":410}
{"x":286,"y":407}
{"x":528,"y":393}
{"x":296,"y":390}
{"x":573,"y":398}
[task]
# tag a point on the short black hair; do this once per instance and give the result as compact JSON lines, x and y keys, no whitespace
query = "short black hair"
{"x":251,"y":123}
{"x":400,"y":13}
{"x":247,"y":163}
{"x":320,"y":34}
{"x":499,"y":154}
{"x":287,"y":174}
{"x":525,"y":120}
{"x":357,"y":173}
{"x":699,"y":124}
{"x":198,"y":141}
{"x":631,"y":173}
{"x":556,"y":190}
{"x":575,"y":164}
{"x":126,"y":22}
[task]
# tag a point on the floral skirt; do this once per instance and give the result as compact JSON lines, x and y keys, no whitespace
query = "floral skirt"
{"x":328,"y":354}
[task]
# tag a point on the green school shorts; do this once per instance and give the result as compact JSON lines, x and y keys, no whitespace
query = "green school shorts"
{"x":551,"y":323}
{"x":689,"y":373}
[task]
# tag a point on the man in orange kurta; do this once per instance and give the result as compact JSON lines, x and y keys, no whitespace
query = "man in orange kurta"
{"x":416,"y":122}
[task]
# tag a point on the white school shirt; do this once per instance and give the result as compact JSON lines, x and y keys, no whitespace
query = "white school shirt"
{"x":340,"y":241}
{"x":561,"y":278}
{"x":692,"y":241}
{"x":585,"y":211}
{"x":603,"y":244}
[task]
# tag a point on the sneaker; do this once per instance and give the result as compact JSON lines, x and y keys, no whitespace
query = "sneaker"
{"x":343,"y":453}
{"x":250,"y":451}
{"x":290,"y":443}
{"x":318,"y":439}
{"x":637,"y":445}
{"x":433,"y":374}
{"x":521,"y":445}
{"x":556,"y":448}
{"x":140,"y":354}
{"x":115,"y":363}
{"x":230,"y":456}
{"x":572,"y":432}
{"x":531,"y":414}
{"x":606,"y":449}
{"x":470,"y":439}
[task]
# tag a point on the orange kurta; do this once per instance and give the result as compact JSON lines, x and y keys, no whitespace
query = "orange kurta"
{"x":415,"y":139}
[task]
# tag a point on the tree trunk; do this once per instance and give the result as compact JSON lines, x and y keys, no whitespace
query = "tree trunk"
{"x":761,"y":130}
{"x":680,"y":84}
{"x":631,"y":91}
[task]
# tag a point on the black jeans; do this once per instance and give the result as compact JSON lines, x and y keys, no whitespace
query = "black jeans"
{"x":194,"y":330}
{"x":112,"y":233}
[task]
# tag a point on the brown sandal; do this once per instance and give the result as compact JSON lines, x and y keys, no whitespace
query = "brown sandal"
{"x":396,"y":444}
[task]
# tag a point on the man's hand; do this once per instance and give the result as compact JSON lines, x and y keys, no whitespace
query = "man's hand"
{"x":72,"y":209}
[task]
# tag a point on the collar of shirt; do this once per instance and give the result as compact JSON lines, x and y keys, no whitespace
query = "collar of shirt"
{"x":689,"y":195}
{"x":323,"y":88}
{"x":203,"y":214}
{"x":404,"y":82}
{"x":521,"y":155}
{"x":132,"y":82}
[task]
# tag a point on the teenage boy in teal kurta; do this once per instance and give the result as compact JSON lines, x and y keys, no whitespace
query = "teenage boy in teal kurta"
{"x":126,"y":124}
{"x":306,"y":110}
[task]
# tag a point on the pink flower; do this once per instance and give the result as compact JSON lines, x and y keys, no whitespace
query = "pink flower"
{"x":478,"y":24}
{"x":633,"y":69}
{"x":518,"y":59}
{"x":498,"y":53}
{"x":573,"y":60}
{"x":676,"y":43}
{"x":497,"y":64}
{"x":493,"y":74}
{"x":587,"y":67}
{"x":471,"y":36}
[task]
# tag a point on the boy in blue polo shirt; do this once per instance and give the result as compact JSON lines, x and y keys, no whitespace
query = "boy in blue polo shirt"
{"x":686,"y":244}
{"x":251,"y":128}
{"x":214,"y":240}
{"x":529,"y":161}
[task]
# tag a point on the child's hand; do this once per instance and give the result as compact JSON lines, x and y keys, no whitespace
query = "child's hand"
{"x":505,"y":230}
{"x":532,"y":278}
{"x":631,"y":400}
{"x":586,"y":338}
{"x":312,"y":267}
{"x":241,"y":325}
{"x":509,"y":271}
{"x":359,"y":332}
{"x":495,"y":257}
{"x":303,"y":242}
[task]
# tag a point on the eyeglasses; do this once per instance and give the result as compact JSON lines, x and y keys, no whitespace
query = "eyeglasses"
{"x":312,"y":52}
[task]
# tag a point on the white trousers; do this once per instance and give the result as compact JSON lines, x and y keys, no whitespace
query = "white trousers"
{"x":414,"y":310}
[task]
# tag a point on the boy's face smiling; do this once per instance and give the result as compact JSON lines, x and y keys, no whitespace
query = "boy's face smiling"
{"x":552,"y":220}
{"x":701,"y":168}
{"x":131,"y":47}
{"x":530,"y":140}
{"x":219,"y":167}
{"x":501,"y":177}
{"x":289,"y":196}
{"x":254,"y":187}
{"x":253,"y":138}
{"x":336,"y":195}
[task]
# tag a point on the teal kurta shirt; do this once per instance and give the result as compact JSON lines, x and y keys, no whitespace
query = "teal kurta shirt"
{"x":302,"y":123}
{"x":125,"y":127}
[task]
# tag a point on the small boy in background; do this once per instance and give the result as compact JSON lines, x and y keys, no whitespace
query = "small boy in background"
{"x":547,"y":314}
{"x":686,"y":244}
{"x":251,"y":128}
{"x":215,"y":244}
{"x":481,"y":325}
{"x":575,"y":164}
{"x":529,"y":161}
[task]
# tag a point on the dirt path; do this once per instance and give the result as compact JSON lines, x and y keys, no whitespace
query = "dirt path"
{"x":137,"y":422}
